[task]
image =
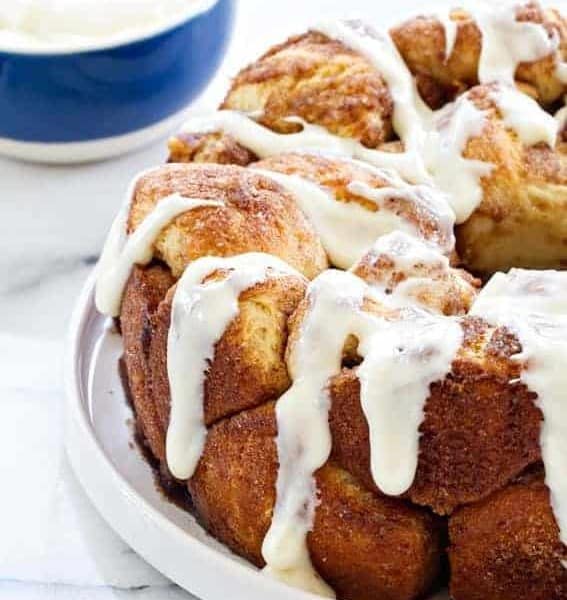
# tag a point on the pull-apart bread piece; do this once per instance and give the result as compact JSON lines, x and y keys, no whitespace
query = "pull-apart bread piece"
{"x":247,"y":212}
{"x":307,"y":348}
{"x":520,"y":215}
{"x":364,"y":546}
{"x":450,"y":53}
{"x":492,"y":150}
{"x":310,"y":78}
{"x":254,"y":214}
{"x":507,"y":547}
{"x":320,"y":80}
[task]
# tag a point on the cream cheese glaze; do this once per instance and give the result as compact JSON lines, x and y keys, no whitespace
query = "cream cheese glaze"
{"x":347,"y":229}
{"x":506,"y":42}
{"x":404,"y":348}
{"x":525,"y":116}
{"x":121,"y":252}
{"x":461,"y":178}
{"x":414,"y":347}
{"x":265,"y":143}
{"x":533,"y":305}
{"x":201,"y":312}
{"x":407,"y":253}
{"x":76,"y":24}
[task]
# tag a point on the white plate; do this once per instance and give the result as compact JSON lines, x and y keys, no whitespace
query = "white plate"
{"x":101,"y":449}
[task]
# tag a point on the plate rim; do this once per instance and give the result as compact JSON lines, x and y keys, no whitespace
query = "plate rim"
{"x":127,"y":512}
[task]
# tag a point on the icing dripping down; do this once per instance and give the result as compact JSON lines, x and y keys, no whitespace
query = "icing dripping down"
{"x":348,"y":229}
{"x":398,"y":368}
{"x":533,"y":304}
{"x":507,"y":42}
{"x":410,"y":112}
{"x":121,"y":252}
{"x":525,"y":116}
{"x":313,"y":138}
{"x":451,"y":29}
{"x":414,"y":347}
{"x":459,"y":177}
{"x":405,"y":257}
{"x":201,"y":313}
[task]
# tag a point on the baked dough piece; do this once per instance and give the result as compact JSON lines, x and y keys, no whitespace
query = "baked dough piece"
{"x":422,"y":43}
{"x":521,"y":220}
{"x":248,"y":368}
{"x":507,"y":547}
{"x":257,"y":215}
{"x":320,"y":81}
{"x":365,"y":546}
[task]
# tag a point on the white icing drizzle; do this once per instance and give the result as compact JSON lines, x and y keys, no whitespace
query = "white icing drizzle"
{"x":264,"y":142}
{"x":459,"y":177}
{"x":429,"y":202}
{"x":402,"y":355}
{"x":451,"y":29}
{"x":410,"y":112}
{"x":533,"y":304}
{"x":348,"y":229}
{"x":525,"y":116}
{"x":399,"y":366}
{"x":407,"y":254}
{"x":121,"y":252}
{"x":201,"y":313}
{"x":507,"y":42}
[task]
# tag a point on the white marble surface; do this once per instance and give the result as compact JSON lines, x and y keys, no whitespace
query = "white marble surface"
{"x":54,"y":219}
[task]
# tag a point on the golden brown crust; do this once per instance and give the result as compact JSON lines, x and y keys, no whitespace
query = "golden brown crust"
{"x":146,"y":288}
{"x":522,"y":219}
{"x":321,"y":81}
{"x":481,"y":426}
{"x":507,"y":547}
{"x":248,"y":368}
{"x":257,"y":216}
{"x":365,"y":546}
{"x":216,"y":147}
{"x":445,"y":291}
{"x":441,"y":80}
{"x":336,"y":174}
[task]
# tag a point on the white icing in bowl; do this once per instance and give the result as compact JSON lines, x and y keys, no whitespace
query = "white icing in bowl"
{"x":79,"y":25}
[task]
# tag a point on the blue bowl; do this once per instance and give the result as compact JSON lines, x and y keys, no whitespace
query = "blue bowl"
{"x":96,"y":103}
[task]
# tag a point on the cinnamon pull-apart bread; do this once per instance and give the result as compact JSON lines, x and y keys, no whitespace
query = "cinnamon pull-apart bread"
{"x":336,"y":338}
{"x":478,"y":42}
